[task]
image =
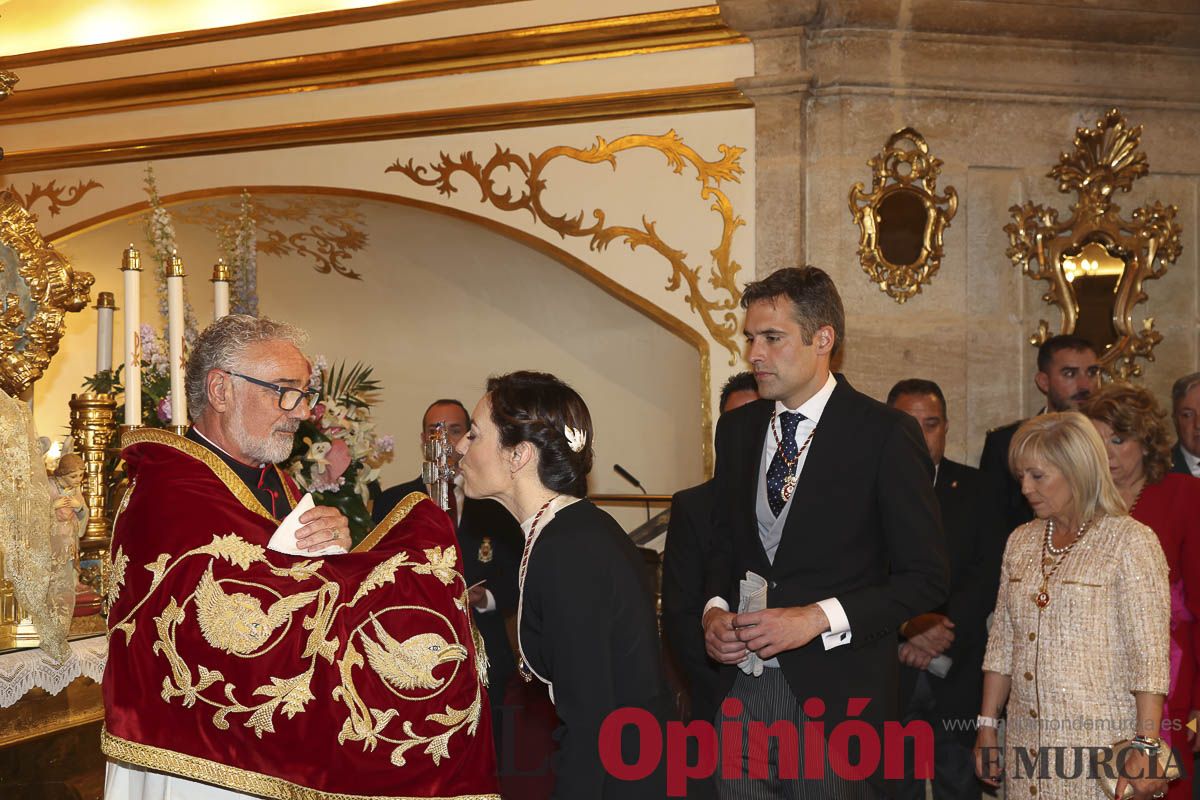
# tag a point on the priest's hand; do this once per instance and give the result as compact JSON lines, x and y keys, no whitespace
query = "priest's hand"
{"x":323,"y":526}
{"x":771,"y":631}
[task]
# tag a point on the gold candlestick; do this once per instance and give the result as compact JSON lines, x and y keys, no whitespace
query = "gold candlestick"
{"x":93,"y":428}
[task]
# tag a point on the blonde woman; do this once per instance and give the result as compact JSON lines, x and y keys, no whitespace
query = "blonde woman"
{"x":1079,"y":644}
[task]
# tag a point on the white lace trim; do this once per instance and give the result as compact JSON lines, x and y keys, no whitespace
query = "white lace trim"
{"x":24,"y":669}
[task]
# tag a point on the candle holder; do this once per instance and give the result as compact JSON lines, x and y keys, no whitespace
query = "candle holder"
{"x":222,"y":272}
{"x":93,"y":428}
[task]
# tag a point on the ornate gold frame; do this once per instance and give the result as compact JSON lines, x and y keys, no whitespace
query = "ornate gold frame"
{"x":899,"y":170}
{"x":1106,"y":159}
{"x":29,"y":336}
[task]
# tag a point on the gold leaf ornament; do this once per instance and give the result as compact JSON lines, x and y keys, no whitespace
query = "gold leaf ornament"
{"x":382,"y":573}
{"x":235,"y":550}
{"x":441,"y":564}
{"x":116,"y":572}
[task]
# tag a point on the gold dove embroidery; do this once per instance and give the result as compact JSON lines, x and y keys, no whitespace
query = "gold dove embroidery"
{"x":410,"y":664}
{"x":236,"y":622}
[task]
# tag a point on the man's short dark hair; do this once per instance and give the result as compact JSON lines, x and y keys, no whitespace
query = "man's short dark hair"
{"x":814,"y":297}
{"x":742,"y":382}
{"x":1056,"y":344}
{"x":917,"y":386}
{"x":446,"y":401}
{"x":1182,"y":387}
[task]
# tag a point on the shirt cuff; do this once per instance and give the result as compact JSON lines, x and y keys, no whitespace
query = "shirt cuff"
{"x":839,"y":627}
{"x":489,"y":602}
{"x":716,"y":602}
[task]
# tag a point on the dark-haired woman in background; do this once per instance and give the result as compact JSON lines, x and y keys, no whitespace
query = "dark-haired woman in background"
{"x":586,"y":622}
{"x":1138,"y":439}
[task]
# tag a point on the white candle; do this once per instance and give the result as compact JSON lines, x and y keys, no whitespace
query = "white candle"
{"x":175,"y":340}
{"x":131,"y":266}
{"x":104,"y":331}
{"x":220,"y":282}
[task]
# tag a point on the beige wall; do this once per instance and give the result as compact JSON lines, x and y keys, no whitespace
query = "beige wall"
{"x":998,"y":95}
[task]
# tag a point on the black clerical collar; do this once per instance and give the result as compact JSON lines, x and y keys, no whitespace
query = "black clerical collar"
{"x":263,"y":481}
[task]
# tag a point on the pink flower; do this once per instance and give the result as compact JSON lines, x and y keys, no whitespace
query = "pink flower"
{"x":317,"y":412}
{"x":164,"y":409}
{"x":339,"y":459}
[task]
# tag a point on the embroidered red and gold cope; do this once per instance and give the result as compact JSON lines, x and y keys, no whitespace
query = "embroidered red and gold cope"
{"x":356,"y":675}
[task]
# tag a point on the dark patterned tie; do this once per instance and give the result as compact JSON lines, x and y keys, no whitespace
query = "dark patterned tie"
{"x":783,"y":465}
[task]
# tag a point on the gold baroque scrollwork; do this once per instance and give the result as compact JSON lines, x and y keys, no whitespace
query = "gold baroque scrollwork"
{"x":55,"y":194}
{"x":333,"y":233}
{"x":1096,"y":253}
{"x":718,"y":313}
{"x":38,"y":288}
{"x":902,"y":218}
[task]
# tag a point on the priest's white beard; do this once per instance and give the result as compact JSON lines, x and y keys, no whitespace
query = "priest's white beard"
{"x":270,"y":449}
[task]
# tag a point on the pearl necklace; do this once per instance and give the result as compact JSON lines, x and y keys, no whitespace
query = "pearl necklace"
{"x":1042,"y":598}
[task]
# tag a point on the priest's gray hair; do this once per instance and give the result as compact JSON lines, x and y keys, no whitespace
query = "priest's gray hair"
{"x":223,"y":344}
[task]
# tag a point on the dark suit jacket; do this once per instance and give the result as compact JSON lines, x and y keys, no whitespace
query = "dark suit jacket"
{"x":482,"y":519}
{"x":863,"y":528}
{"x":975,"y":540}
{"x":993,"y":463}
{"x":1178,"y":463}
{"x":587,"y":625}
{"x":689,"y":543}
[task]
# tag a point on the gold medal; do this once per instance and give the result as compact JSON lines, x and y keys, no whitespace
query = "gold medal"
{"x":485,"y":551}
{"x":789,"y":486}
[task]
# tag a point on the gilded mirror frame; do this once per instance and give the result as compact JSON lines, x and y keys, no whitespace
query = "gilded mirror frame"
{"x":903,"y":166}
{"x":1106,"y":159}
{"x":38,"y":288}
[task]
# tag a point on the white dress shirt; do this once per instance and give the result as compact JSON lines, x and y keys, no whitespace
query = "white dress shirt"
{"x":1192,"y":461}
{"x":839,"y":626}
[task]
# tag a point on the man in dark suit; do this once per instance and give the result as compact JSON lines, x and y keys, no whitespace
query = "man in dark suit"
{"x":688,"y":546}
{"x":1185,"y":405}
{"x":490,"y":543}
{"x":941,"y":651}
{"x":828,"y":495}
{"x":1068,"y":371}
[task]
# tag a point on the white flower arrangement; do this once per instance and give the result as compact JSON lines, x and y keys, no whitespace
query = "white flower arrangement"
{"x":161,"y":232}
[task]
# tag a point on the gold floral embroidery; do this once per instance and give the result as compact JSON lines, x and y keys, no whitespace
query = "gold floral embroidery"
{"x":407,"y":665}
{"x":236,"y":623}
{"x":116,"y":574}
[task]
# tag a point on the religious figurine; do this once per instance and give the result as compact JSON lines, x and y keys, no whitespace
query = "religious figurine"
{"x":70,"y":509}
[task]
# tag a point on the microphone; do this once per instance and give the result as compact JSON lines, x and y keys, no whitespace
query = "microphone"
{"x":624,"y":473}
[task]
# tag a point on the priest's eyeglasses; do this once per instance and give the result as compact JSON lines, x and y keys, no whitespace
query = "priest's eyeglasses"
{"x":289,"y":396}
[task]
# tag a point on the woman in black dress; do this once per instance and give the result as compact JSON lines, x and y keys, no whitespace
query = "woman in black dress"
{"x":586,"y":624}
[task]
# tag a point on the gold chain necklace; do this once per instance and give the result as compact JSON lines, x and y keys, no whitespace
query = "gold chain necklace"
{"x":1053,"y":557}
{"x":789,"y":482}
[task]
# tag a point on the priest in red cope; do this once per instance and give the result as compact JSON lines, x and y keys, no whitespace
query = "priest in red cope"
{"x":236,"y":670}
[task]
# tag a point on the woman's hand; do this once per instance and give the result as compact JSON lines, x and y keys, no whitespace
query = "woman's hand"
{"x":1144,"y":788}
{"x":987,"y":757}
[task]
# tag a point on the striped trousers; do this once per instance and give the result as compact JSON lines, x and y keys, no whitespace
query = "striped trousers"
{"x":769,"y":699}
